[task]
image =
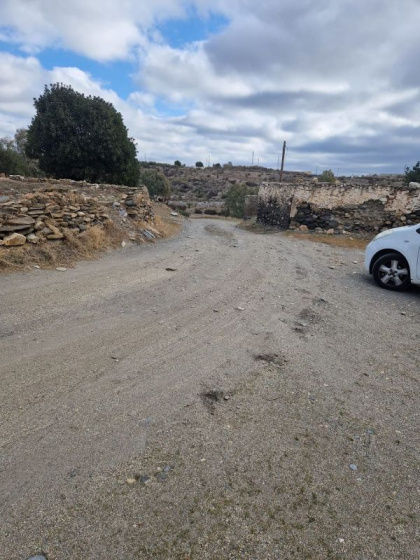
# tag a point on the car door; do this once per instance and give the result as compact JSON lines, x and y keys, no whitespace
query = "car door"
{"x":418,"y":252}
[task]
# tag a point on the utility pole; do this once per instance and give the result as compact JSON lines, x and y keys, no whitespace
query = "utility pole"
{"x":282,"y":161}
{"x":278,"y":163}
{"x":252,"y":159}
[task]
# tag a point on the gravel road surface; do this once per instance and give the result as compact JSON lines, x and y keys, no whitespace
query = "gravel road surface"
{"x":221,"y":395}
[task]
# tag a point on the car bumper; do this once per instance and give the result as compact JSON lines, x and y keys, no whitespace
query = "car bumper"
{"x":370,"y":251}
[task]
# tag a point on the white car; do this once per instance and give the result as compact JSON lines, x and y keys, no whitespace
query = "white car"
{"x":393,"y":257}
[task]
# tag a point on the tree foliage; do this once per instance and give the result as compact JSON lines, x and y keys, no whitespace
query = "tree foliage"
{"x":412,"y":175}
{"x":81,"y":138}
{"x":177,"y":163}
{"x":13,"y":160}
{"x":156,"y":182}
{"x":199,"y":164}
{"x":235,"y":199}
{"x":327,"y":176}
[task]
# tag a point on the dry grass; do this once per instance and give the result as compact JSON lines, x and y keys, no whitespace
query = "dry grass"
{"x":62,"y":253}
{"x":167,"y":225}
{"x":342,"y":241}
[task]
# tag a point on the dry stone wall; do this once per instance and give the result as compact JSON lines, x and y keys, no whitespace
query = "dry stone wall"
{"x":45,"y":215}
{"x":357,"y":206}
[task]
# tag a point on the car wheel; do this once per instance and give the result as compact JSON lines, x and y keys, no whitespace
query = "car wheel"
{"x":391,"y":271}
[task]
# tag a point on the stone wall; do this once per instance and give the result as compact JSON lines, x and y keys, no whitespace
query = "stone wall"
{"x":47,"y":214}
{"x":357,"y":205}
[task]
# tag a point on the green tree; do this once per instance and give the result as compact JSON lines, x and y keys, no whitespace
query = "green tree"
{"x":177,"y":163}
{"x":156,"y":182}
{"x":199,"y":164}
{"x":327,"y":176}
{"x":412,"y":175}
{"x":81,"y":138}
{"x":235,"y":200}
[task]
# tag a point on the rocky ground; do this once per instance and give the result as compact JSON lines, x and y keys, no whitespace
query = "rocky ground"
{"x":221,"y":395}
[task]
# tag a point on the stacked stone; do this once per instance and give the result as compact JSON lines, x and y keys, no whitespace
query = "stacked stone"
{"x":134,"y":204}
{"x":43,"y":216}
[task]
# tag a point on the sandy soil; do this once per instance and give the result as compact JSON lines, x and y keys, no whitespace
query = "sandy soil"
{"x":260,"y":401}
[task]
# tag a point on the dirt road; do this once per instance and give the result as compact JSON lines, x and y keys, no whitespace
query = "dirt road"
{"x":259,"y":401}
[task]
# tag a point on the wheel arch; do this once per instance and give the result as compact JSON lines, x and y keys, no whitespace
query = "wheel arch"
{"x":382,"y":252}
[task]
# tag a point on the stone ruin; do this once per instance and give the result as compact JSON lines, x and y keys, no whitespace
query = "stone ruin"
{"x":365,"y":205}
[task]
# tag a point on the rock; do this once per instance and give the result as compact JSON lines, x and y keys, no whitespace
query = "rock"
{"x":131,"y":480}
{"x":13,"y":240}
{"x":162,"y":477}
{"x":330,"y":231}
{"x":303,"y":228}
{"x":37,"y":266}
{"x":4,"y":199}
{"x":170,"y":269}
{"x":145,"y":479}
{"x":174,"y":213}
{"x":240,"y":308}
{"x":123,"y":243}
{"x":21,"y":221}
{"x":353,"y":467}
{"x":38,"y":557}
{"x":61,"y":269}
{"x":167,"y":468}
{"x":32,"y":238}
{"x":332,"y":267}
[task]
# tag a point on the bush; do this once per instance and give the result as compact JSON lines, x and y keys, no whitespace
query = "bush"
{"x":156,"y":182}
{"x":412,"y":175}
{"x":13,"y":160}
{"x":81,"y":138}
{"x":327,"y":176}
{"x":199,"y":164}
{"x":235,"y":200}
{"x":177,"y":163}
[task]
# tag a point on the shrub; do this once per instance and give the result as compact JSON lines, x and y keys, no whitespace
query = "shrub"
{"x":156,"y":182}
{"x":177,"y":163}
{"x":235,"y":199}
{"x":199,"y":164}
{"x":13,"y":160}
{"x":412,"y":175}
{"x":327,"y":176}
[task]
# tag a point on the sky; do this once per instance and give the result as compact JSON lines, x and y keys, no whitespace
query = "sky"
{"x":230,"y":80}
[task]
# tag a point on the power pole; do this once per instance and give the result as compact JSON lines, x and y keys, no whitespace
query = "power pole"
{"x":282,"y":161}
{"x":252,"y":159}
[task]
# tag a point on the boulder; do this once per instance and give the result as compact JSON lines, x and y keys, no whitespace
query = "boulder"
{"x":14,"y":240}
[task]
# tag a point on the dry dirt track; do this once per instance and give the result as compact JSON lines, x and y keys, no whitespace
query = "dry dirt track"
{"x":103,"y":371}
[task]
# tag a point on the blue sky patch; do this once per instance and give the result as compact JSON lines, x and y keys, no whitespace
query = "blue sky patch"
{"x":178,"y":33}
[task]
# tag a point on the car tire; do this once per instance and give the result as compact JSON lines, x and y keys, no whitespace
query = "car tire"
{"x":391,"y":272}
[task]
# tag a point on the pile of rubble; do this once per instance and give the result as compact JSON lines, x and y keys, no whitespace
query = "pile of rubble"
{"x":46,"y":214}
